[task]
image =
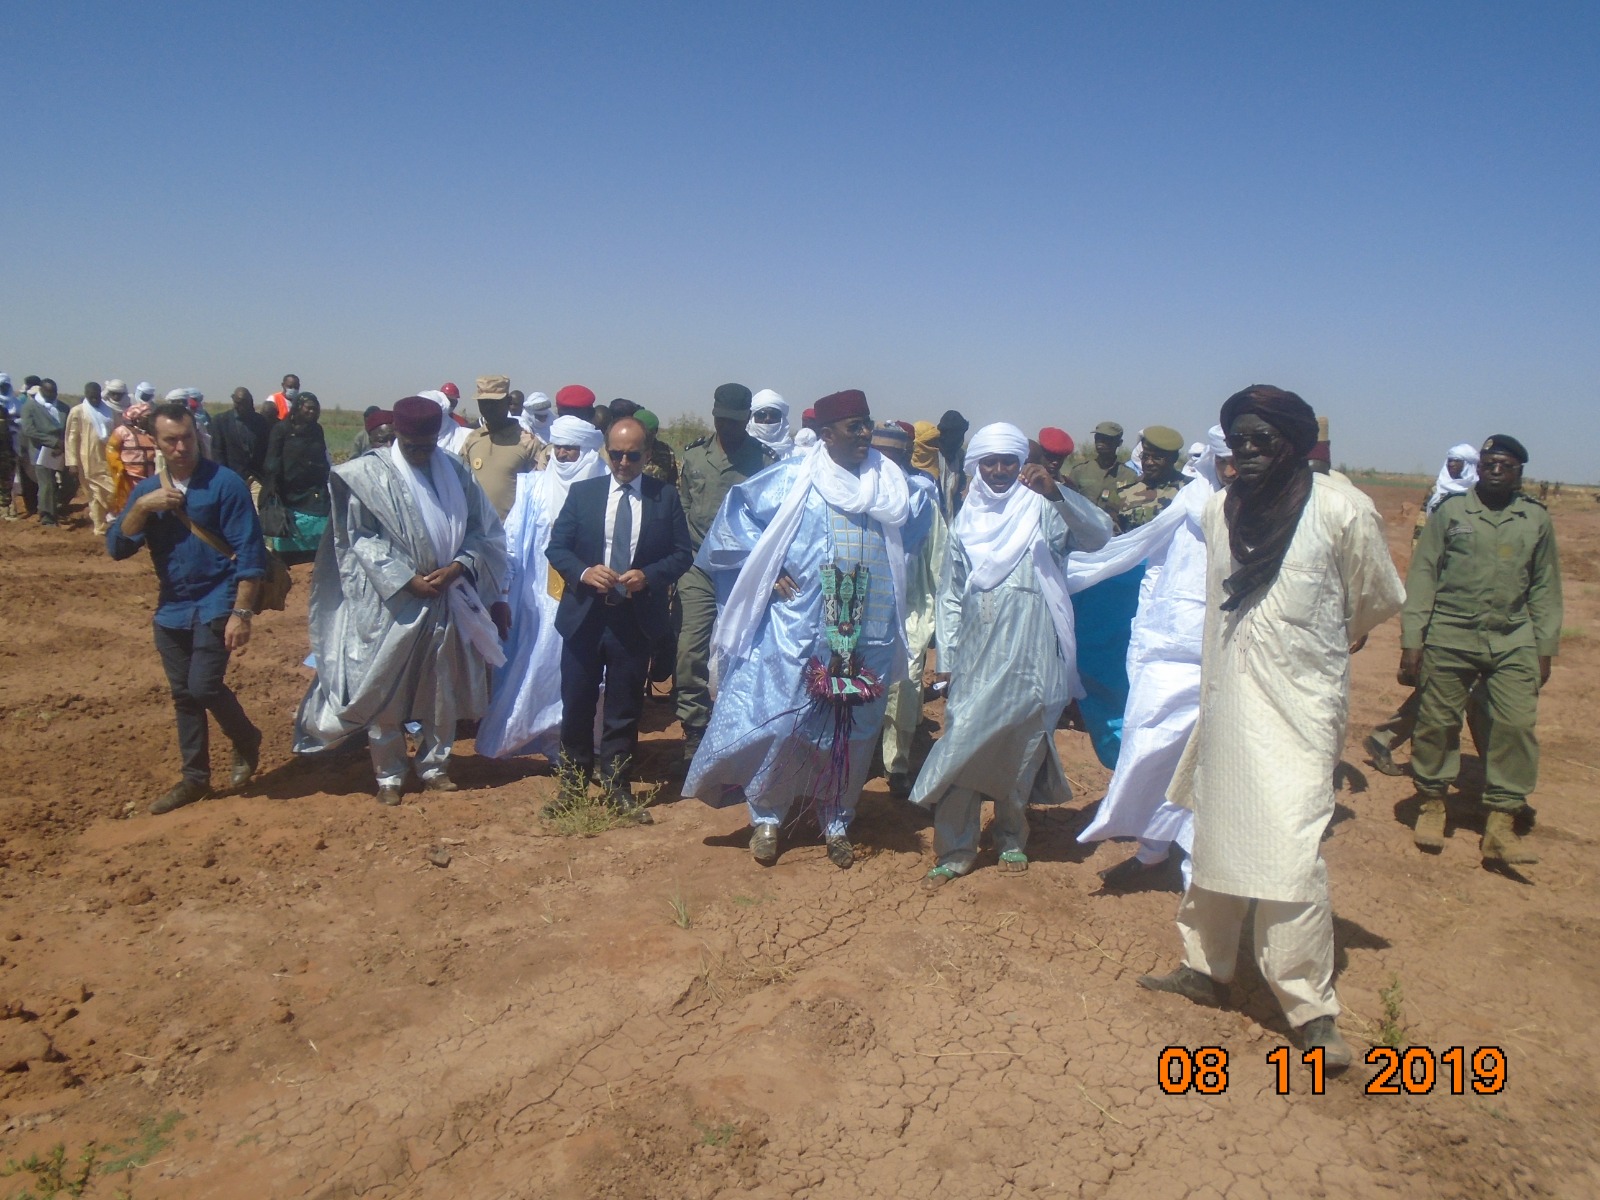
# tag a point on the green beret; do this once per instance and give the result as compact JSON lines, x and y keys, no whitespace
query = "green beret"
{"x":1163,"y":437}
{"x":648,"y":419}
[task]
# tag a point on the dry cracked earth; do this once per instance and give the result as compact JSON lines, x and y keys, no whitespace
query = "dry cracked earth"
{"x":277,"y":993}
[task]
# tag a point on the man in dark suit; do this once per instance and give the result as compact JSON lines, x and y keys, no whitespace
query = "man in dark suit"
{"x":617,"y":545}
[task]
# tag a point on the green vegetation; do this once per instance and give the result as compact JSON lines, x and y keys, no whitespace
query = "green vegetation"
{"x":1393,"y":1030}
{"x":681,"y":431}
{"x":59,"y":1174}
{"x":679,"y":907}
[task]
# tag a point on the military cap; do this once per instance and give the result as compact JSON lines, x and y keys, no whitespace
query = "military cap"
{"x":1162,"y":437}
{"x":731,"y":400}
{"x":1504,"y":443}
{"x":1108,"y":429}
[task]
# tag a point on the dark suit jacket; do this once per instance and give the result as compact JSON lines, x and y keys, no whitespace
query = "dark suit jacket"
{"x":578,"y":542}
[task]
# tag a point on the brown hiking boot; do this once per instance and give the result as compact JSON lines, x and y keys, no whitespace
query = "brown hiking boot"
{"x":1428,"y":833}
{"x":1501,"y":843}
{"x":1190,"y":984}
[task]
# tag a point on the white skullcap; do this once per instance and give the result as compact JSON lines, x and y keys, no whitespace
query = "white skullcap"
{"x":999,"y":438}
{"x":575,"y":431}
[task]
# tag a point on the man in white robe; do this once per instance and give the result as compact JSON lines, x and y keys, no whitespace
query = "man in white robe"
{"x":406,"y":609}
{"x":1163,"y":674}
{"x":769,"y":422}
{"x":524,"y":714}
{"x":89,"y":425}
{"x":812,"y":632}
{"x":1007,"y":643}
{"x":1298,"y":572}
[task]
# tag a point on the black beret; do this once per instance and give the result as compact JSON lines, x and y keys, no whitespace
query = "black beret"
{"x":1504,"y":443}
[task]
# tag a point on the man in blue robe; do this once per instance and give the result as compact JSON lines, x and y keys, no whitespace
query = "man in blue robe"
{"x":811,"y":634}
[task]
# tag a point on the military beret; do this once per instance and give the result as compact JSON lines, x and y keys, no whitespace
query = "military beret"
{"x":1162,"y":437}
{"x":1055,"y":441}
{"x":1504,"y":443}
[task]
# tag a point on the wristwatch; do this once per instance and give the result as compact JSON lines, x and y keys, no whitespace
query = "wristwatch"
{"x":244,"y":614}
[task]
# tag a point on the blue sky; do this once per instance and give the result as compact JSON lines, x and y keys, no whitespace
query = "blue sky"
{"x":1046,"y":213}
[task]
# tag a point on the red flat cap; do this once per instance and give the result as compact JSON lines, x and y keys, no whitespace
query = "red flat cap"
{"x":573,"y":396}
{"x":417,"y":416}
{"x":1055,"y":441}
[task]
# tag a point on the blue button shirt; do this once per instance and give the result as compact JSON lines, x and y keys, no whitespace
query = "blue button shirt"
{"x":198,"y":585}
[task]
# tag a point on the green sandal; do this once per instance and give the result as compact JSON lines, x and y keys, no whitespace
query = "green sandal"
{"x":1013,"y":862}
{"x":938,"y":877}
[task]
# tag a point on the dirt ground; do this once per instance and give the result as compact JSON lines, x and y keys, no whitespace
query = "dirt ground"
{"x":277,"y":994}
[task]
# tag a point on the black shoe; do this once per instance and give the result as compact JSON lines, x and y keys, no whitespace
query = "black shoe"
{"x":389,"y":794}
{"x":1323,"y":1033}
{"x":840,"y":852}
{"x":245,"y":764}
{"x":692,"y":737}
{"x":1381,"y":758}
{"x":900,"y":785}
{"x":1131,"y":875}
{"x":764,"y":844}
{"x":186,"y":792}
{"x":1190,"y":984}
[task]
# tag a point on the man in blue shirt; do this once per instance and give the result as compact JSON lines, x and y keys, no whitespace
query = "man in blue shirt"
{"x":206,"y":597}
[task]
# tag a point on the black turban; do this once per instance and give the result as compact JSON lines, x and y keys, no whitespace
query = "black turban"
{"x":1284,"y":411}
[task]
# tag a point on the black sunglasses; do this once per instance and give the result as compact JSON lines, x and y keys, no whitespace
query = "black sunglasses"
{"x":625,"y":455}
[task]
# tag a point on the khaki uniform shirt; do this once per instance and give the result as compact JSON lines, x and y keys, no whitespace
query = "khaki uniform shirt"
{"x":706,"y":474}
{"x":496,"y":460}
{"x":1098,"y":484}
{"x":1483,"y":580}
{"x":1139,"y":503}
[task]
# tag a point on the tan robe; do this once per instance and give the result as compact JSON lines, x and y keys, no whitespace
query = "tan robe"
{"x":86,"y":454}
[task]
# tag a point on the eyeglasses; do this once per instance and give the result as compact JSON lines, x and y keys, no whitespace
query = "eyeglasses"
{"x":1262,"y":442}
{"x":632,"y":456}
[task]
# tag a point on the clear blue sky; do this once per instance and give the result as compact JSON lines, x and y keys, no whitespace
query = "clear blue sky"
{"x":1051,"y":213}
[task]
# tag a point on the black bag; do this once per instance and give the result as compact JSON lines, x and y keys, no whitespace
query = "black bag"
{"x":275,"y":519}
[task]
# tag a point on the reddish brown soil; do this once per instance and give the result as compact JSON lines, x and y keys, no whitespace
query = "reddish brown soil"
{"x":276,"y":994}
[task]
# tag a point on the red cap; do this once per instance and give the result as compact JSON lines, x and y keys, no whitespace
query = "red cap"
{"x":1055,"y":441}
{"x":842,"y":406}
{"x":574,"y":395}
{"x":911,"y":430}
{"x":452,"y":391}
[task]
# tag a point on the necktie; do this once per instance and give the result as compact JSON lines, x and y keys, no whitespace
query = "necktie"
{"x":622,"y":533}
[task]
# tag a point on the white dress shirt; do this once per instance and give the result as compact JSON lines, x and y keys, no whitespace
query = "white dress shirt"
{"x":635,"y":494}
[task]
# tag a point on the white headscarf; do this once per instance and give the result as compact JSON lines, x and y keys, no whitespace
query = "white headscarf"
{"x":443,"y":508}
{"x":558,"y":477}
{"x":1444,"y":487}
{"x":575,"y":431}
{"x":535,"y":415}
{"x":996,"y":529}
{"x":879,"y":491}
{"x":1204,"y":466}
{"x":773,"y":433}
{"x":145,"y":393}
{"x":451,"y":436}
{"x":804,"y":440}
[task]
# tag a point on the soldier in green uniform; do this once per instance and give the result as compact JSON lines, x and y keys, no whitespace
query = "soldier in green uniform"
{"x":709,"y":468}
{"x":1099,"y":475}
{"x":1483,"y":602}
{"x":1139,"y":502}
{"x":659,"y":461}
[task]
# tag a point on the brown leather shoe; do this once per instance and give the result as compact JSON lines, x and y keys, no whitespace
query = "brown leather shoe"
{"x":1381,"y":758}
{"x":439,"y":783}
{"x":186,"y":792}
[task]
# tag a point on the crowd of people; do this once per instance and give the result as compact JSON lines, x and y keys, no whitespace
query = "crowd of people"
{"x":1191,"y":606}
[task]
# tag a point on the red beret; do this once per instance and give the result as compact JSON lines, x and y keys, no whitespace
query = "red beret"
{"x":383,"y":416}
{"x":842,"y":406}
{"x":810,"y":414}
{"x":574,"y":395}
{"x":1055,"y":441}
{"x":911,"y":430}
{"x":417,"y":416}
{"x":452,"y":391}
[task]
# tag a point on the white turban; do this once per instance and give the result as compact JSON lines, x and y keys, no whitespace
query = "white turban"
{"x":773,"y":433}
{"x":537,"y":402}
{"x":999,"y":438}
{"x":1445,"y":486}
{"x":438,"y":398}
{"x":1205,"y":467}
{"x":575,"y":431}
{"x":145,"y":392}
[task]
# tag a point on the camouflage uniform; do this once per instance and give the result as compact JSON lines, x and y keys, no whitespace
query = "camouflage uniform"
{"x":1139,"y":503}
{"x":661,"y":463}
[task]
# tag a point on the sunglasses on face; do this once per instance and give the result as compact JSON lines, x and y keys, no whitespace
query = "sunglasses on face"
{"x":632,"y":456}
{"x":1262,"y":442}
